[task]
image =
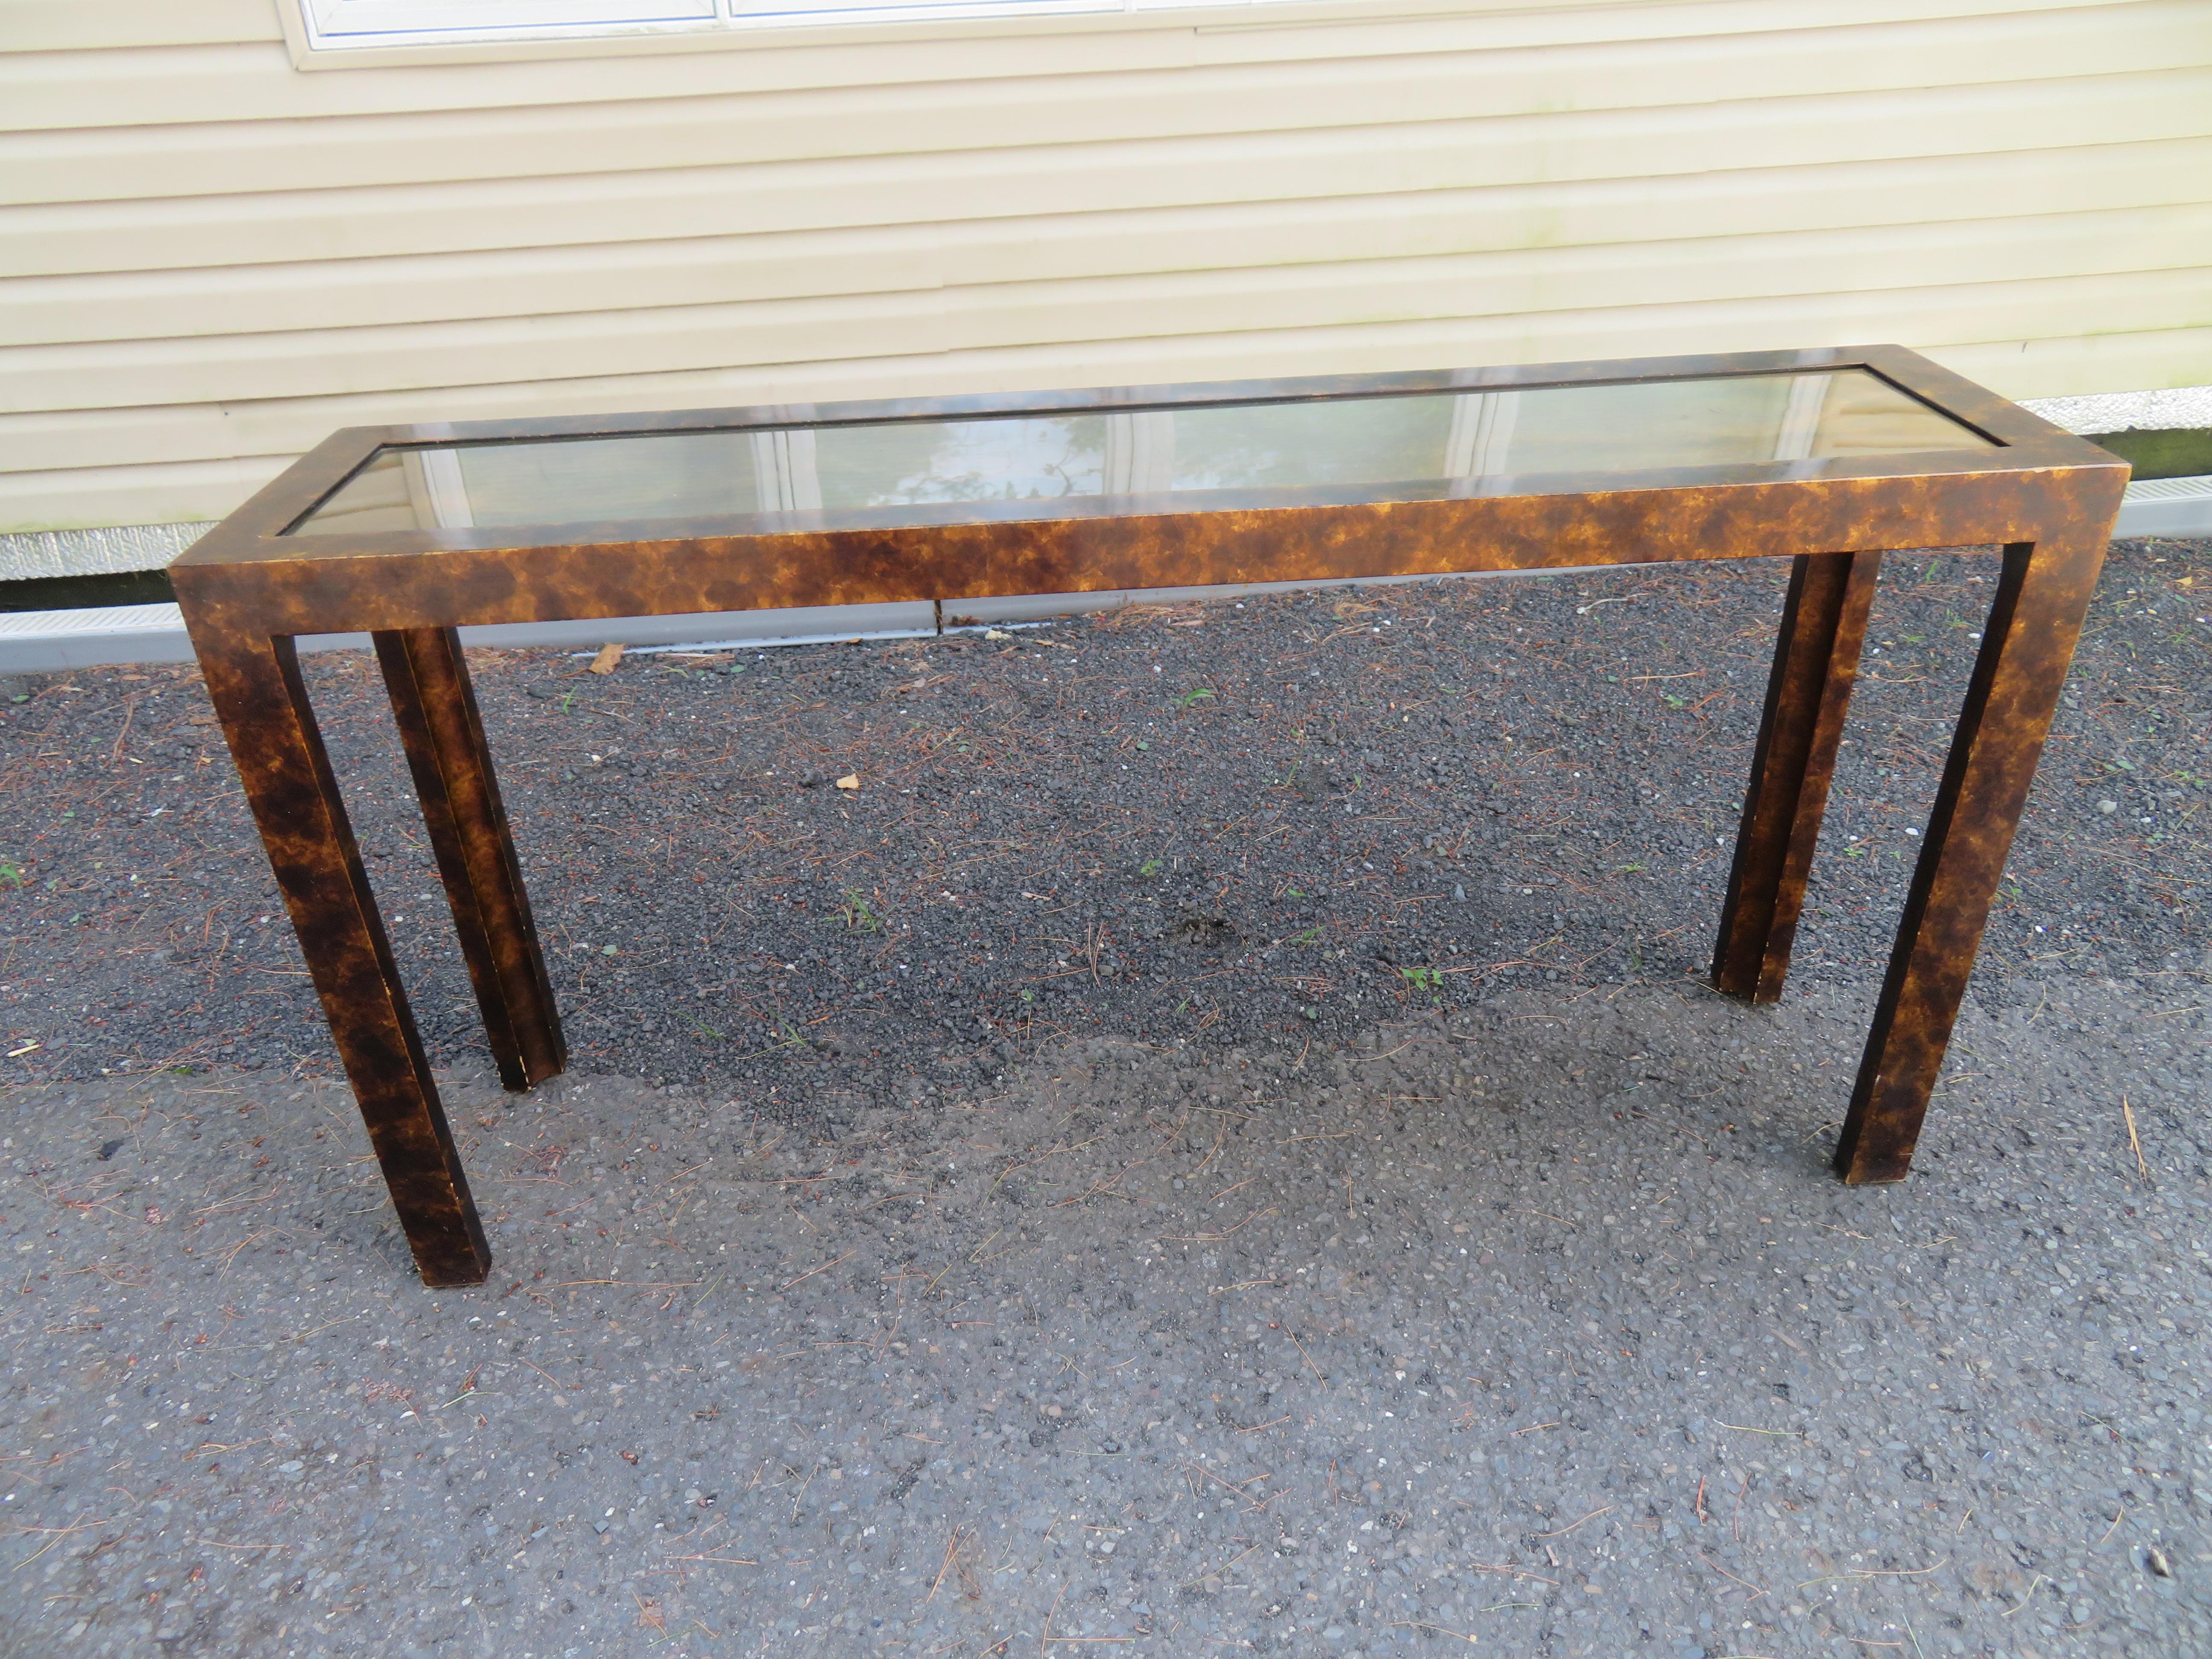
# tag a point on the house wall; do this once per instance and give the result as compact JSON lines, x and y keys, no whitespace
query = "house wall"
{"x":209,"y":259}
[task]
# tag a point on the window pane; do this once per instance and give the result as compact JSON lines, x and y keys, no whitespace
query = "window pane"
{"x":352,"y":20}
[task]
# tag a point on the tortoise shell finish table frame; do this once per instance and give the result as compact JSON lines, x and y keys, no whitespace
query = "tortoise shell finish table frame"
{"x":256,"y":581}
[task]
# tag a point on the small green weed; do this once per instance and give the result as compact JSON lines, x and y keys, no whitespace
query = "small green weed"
{"x":568,"y":701}
{"x":11,"y":874}
{"x":1149,"y":868}
{"x":857,"y":915}
{"x":1306,"y":938}
{"x":1423,"y":979}
{"x":1196,"y":694}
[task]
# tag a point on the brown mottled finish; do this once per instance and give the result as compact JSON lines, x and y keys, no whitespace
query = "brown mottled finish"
{"x":247,"y":585}
{"x":1816,"y":659}
{"x":270,"y":728}
{"x":435,"y":708}
{"x":2026,"y":645}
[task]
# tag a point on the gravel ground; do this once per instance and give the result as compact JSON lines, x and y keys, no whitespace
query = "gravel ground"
{"x":1216,"y":1144}
{"x":1267,"y":824}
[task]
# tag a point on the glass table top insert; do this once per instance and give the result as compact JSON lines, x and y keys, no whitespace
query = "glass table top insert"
{"x":1416,"y":444}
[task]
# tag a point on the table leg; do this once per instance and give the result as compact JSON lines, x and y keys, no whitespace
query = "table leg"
{"x":270,"y":728}
{"x":1816,"y":661}
{"x":2027,"y":647}
{"x":435,"y":707}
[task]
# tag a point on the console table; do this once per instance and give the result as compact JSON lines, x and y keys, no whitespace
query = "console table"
{"x":1824,"y":457}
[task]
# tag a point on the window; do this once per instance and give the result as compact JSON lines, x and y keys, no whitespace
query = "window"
{"x":343,"y":26}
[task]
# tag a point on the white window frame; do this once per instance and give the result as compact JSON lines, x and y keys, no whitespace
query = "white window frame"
{"x":371,"y":33}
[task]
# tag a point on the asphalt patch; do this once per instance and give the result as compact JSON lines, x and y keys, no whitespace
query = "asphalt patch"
{"x":1539,"y":1324}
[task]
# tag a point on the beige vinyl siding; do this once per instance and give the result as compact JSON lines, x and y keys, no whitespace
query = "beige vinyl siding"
{"x":2023,"y":190}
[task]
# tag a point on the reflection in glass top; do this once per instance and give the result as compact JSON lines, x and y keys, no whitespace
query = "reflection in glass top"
{"x":1439,"y":439}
